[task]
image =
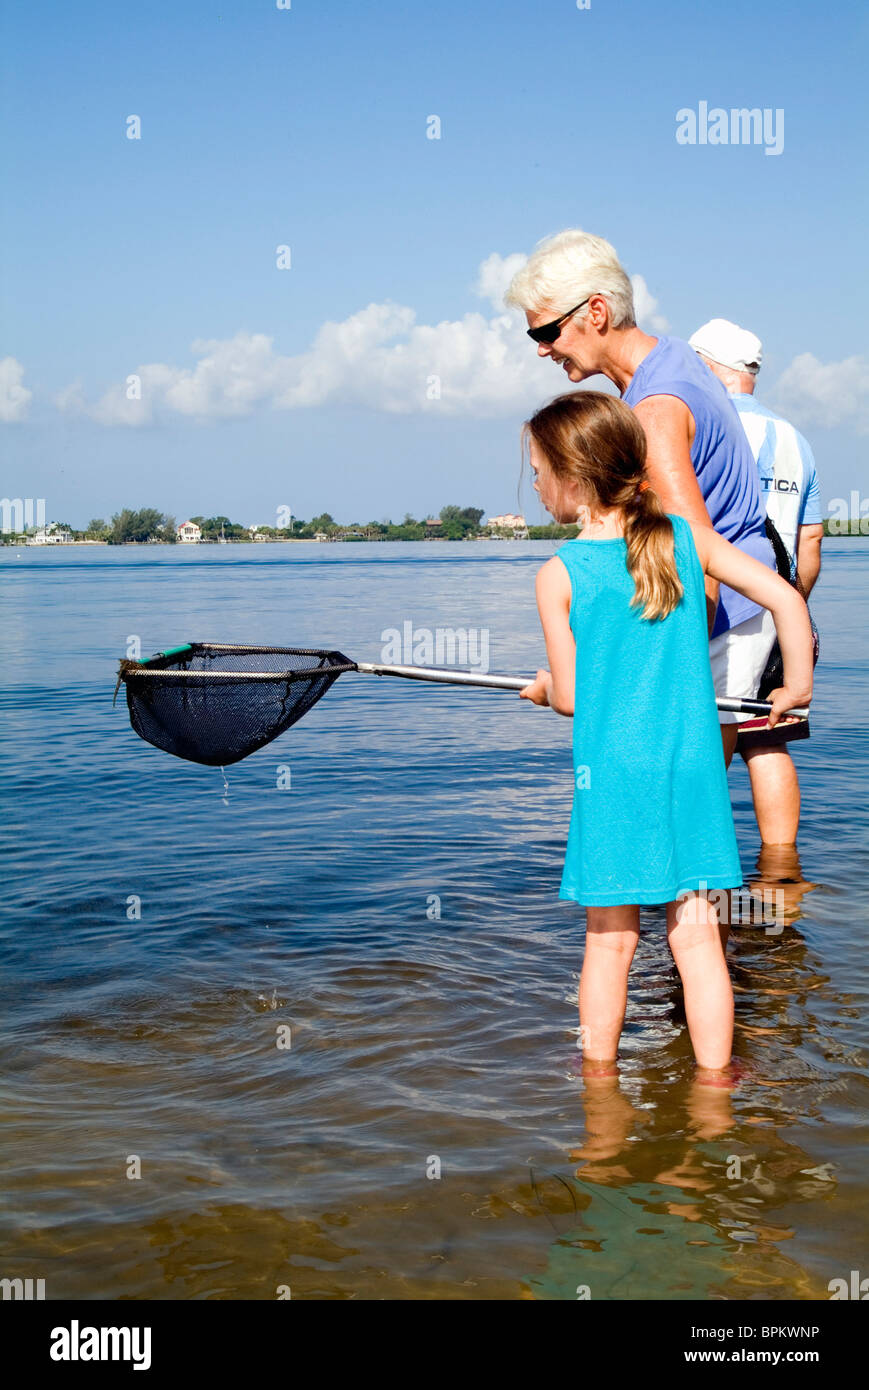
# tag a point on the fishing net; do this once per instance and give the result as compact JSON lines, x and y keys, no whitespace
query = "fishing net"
{"x":215,"y":704}
{"x":773,"y":674}
{"x":774,"y":670}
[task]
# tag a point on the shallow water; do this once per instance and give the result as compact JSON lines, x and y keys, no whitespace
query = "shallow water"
{"x":416,"y":1040}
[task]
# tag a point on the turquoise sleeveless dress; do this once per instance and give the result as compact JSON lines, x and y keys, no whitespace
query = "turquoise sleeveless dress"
{"x":651,"y":806}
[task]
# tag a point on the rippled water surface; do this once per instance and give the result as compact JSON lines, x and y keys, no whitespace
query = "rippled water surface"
{"x":417,"y":1042}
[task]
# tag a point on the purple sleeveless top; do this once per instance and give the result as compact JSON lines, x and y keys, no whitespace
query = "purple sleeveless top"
{"x":721,"y":455}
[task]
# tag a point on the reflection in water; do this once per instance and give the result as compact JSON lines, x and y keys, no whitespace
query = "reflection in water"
{"x":778,"y":879}
{"x":724,"y":1174}
{"x":703,"y":1225}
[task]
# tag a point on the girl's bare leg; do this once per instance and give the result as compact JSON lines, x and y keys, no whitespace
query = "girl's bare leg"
{"x":692,"y":930}
{"x":610,"y":941}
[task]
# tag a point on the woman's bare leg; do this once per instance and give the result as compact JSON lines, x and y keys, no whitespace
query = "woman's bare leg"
{"x":692,"y":931}
{"x":610,"y":941}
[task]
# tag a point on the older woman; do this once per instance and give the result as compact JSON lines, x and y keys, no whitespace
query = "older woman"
{"x":579,"y":304}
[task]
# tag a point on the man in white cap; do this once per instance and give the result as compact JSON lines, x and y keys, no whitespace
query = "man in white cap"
{"x":789,"y":486}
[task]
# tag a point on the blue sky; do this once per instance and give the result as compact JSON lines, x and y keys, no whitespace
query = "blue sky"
{"x":307,"y":128}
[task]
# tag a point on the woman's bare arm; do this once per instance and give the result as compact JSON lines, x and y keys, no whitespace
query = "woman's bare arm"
{"x":762,"y":585}
{"x":669,"y":429}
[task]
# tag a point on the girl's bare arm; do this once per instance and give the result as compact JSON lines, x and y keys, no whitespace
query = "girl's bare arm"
{"x":555,"y":687}
{"x":762,"y":585}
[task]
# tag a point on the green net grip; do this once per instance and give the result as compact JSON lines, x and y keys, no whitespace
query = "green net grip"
{"x":128,"y":665}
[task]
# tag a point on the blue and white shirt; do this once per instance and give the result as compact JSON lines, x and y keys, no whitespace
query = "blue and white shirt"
{"x":788,"y":480}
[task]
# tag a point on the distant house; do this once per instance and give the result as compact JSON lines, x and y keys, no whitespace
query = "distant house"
{"x":188,"y":532}
{"x":52,"y":534}
{"x":510,"y":521}
{"x":434,"y":527}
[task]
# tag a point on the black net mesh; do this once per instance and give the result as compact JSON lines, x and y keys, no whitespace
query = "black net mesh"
{"x":216,"y":704}
{"x":773,"y":674}
{"x":774,"y":670}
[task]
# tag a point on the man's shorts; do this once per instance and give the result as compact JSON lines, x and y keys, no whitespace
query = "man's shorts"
{"x":738,"y":658}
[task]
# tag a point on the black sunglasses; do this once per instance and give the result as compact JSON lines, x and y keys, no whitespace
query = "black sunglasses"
{"x":549,"y":332}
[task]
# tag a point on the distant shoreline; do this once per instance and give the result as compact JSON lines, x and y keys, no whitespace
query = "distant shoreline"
{"x":549,"y":533}
{"x":283,"y":540}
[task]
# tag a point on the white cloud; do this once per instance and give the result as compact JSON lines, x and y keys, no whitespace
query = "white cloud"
{"x":495,"y":275}
{"x":828,"y":394}
{"x":14,"y":398}
{"x":645,"y":305}
{"x":379,"y":358}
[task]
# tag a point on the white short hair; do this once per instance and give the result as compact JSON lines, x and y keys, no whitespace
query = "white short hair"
{"x":563,"y":269}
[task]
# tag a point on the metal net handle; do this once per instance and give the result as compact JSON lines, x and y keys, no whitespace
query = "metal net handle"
{"x":423,"y":673}
{"x":132,"y":668}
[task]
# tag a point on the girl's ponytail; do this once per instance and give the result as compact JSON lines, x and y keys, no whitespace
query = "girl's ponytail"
{"x":651,"y":558}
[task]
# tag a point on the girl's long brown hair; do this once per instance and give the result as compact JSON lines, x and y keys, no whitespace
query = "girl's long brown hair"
{"x":596,"y":440}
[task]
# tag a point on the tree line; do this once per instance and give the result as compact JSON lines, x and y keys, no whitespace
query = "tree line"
{"x":150,"y":526}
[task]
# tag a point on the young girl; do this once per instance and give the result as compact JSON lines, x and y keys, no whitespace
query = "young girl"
{"x":623,"y":610}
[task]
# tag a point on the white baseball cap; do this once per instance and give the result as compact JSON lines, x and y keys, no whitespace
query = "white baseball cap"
{"x":728,"y":344}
